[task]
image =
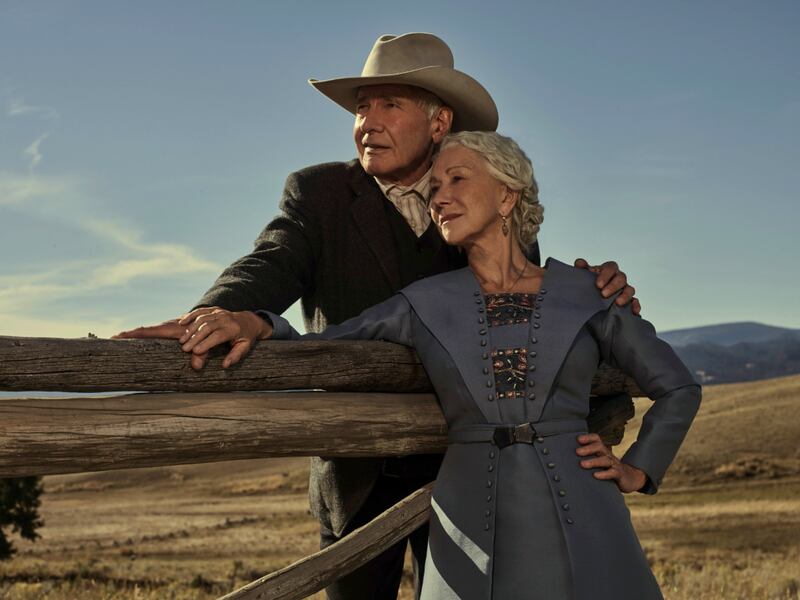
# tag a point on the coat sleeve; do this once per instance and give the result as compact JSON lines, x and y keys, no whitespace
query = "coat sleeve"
{"x":389,"y":321}
{"x":280,"y":268}
{"x":630,"y":344}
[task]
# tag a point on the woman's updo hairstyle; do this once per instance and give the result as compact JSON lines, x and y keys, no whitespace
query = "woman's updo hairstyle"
{"x":510,"y":165}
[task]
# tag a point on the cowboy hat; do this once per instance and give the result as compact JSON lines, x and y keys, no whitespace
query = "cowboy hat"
{"x":422,"y":60}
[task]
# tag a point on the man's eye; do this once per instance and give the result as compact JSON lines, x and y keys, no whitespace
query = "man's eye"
{"x":434,"y":189}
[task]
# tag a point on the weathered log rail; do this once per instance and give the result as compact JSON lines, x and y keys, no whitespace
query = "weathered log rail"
{"x":377,"y":402}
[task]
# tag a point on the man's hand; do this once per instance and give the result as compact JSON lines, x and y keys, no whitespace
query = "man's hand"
{"x":627,"y":477}
{"x":610,"y":280}
{"x":193,"y":330}
{"x":211,"y":326}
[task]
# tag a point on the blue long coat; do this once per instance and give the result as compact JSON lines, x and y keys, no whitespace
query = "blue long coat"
{"x":525,"y":520}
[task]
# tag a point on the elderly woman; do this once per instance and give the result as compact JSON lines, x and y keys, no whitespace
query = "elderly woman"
{"x":511,"y":349}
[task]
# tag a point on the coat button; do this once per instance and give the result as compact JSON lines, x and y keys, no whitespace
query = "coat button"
{"x":485,"y":356}
{"x":545,"y":450}
{"x":482,"y":331}
{"x":532,"y":396}
{"x":543,"y":291}
{"x":490,"y":469}
{"x":487,"y":512}
{"x":534,"y":340}
{"x":483,"y":342}
{"x":556,"y":477}
{"x":486,"y":527}
{"x":476,"y":293}
{"x":489,"y":498}
{"x":536,"y":315}
{"x":551,"y":465}
{"x":491,"y":398}
{"x":491,"y":454}
{"x":480,"y":310}
{"x":488,"y":383}
{"x":481,"y":319}
{"x":488,"y":484}
{"x":485,"y":370}
{"x":570,"y":521}
{"x":536,"y":325}
{"x":540,"y":298}
{"x":478,"y":300}
{"x":562,"y":493}
{"x":565,"y":506}
{"x":531,"y":382}
{"x":532,"y":353}
{"x":531,"y":367}
{"x":540,"y":439}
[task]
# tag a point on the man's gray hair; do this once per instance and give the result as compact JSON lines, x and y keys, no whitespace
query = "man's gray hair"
{"x":508,"y":163}
{"x":427,"y":101}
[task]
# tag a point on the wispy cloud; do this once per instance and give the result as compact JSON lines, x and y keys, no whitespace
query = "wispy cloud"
{"x":34,"y":153}
{"x":17,"y":107}
{"x":129,"y":257}
{"x":18,"y":189}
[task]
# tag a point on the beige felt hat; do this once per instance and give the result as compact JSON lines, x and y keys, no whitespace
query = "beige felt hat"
{"x":425,"y":61}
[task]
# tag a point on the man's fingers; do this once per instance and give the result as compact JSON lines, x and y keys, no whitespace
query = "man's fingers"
{"x":192,"y":315}
{"x":611,"y":473}
{"x":625,"y":296}
{"x":581,"y":263}
{"x":618,"y":282}
{"x":588,"y":438}
{"x":606,"y":274}
{"x":194,"y":326}
{"x":636,"y":307}
{"x":198,"y":361}
{"x":240,"y":348}
{"x":168,"y":330}
{"x":215,"y":338}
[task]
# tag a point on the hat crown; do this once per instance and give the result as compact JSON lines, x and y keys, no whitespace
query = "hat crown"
{"x":399,"y":54}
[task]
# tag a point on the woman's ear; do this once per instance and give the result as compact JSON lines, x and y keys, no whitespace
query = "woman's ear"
{"x":510,"y":198}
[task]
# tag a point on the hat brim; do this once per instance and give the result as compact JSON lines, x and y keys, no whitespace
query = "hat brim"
{"x":473,"y":107}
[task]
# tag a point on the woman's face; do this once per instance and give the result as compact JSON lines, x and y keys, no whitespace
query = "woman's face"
{"x":466,"y":200}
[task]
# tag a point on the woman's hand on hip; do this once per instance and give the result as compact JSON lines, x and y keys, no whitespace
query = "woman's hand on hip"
{"x":208,"y":327}
{"x":627,"y":477}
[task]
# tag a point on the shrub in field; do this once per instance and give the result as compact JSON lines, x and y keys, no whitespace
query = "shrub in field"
{"x":19,"y":511}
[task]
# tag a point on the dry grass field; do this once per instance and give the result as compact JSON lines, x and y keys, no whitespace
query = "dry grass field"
{"x":726,"y":523}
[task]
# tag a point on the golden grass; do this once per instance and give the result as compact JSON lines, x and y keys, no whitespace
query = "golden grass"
{"x":196,"y":532}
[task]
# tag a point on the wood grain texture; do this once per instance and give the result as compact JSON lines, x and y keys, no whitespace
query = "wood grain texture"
{"x":317,"y":571}
{"x":74,"y":435}
{"x":99,"y":365}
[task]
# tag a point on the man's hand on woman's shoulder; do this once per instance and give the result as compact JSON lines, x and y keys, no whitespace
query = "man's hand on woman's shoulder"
{"x":610,"y":280}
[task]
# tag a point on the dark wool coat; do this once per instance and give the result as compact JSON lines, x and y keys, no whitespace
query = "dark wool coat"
{"x":332,"y":247}
{"x":526,"y":520}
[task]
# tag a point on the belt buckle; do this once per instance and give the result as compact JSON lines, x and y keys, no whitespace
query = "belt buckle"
{"x":524,"y":433}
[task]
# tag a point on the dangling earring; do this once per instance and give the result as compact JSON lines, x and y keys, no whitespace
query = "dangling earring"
{"x":505,"y":225}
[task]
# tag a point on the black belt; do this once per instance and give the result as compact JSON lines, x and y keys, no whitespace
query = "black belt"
{"x":505,"y":435}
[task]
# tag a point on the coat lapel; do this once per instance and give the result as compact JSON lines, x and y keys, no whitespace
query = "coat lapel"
{"x":369,"y":215}
{"x":452,"y":307}
{"x":568,"y":298}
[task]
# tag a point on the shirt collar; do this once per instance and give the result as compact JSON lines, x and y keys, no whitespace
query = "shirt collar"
{"x":422,"y":187}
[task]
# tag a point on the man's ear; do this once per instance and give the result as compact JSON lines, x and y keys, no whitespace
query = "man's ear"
{"x":441,"y":123}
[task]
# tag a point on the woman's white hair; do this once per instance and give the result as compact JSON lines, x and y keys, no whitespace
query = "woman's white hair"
{"x":508,"y":163}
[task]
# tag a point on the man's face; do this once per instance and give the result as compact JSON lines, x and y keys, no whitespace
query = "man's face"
{"x":394,"y":137}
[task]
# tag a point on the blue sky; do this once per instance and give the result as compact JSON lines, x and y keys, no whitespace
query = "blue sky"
{"x":143,"y":145}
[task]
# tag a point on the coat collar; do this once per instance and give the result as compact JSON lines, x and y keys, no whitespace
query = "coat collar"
{"x":453,"y":308}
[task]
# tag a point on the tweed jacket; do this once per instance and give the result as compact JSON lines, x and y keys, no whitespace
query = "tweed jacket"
{"x":332,"y":247}
{"x":581,"y":523}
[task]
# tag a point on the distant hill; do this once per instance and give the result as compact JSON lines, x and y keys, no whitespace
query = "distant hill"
{"x":727,"y":334}
{"x":733,"y":352}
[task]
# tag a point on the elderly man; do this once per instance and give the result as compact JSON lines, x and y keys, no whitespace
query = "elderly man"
{"x":349,"y":236}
